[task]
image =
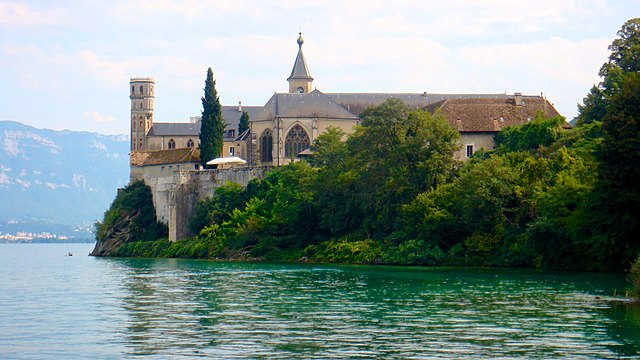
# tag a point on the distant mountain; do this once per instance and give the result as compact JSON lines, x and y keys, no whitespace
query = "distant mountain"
{"x":56,"y":180}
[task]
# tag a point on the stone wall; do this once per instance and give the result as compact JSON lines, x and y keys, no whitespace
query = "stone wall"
{"x":176,"y":194}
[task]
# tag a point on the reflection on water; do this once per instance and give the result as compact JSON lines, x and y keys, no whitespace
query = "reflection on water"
{"x":179,"y":308}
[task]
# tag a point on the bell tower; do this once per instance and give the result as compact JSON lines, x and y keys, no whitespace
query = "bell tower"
{"x":300,"y":79}
{"x":141,"y":95}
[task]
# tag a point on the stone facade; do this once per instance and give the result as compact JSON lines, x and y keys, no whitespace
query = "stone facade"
{"x":176,"y":193}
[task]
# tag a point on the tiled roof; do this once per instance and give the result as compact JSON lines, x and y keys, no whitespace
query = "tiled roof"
{"x":357,"y":102}
{"x":160,"y":157}
{"x":312,"y":105}
{"x":491,"y":115}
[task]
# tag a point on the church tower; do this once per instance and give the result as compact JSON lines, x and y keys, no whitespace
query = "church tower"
{"x":141,"y":111}
{"x":300,"y":79}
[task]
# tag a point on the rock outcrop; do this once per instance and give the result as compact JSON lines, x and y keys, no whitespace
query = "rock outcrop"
{"x":115,"y":237}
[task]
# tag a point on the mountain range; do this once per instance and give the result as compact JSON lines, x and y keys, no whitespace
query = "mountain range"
{"x":58,"y":182}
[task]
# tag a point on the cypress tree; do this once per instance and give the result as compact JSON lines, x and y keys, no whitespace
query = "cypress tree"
{"x":212,"y":126}
{"x":244,"y":123}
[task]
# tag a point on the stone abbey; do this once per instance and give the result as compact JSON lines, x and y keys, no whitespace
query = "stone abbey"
{"x":289,"y":122}
{"x":166,"y":154}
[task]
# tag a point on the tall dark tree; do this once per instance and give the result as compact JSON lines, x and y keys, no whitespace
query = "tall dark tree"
{"x":212,"y":128}
{"x":624,"y":58}
{"x":244,"y":123}
{"x":616,"y":208}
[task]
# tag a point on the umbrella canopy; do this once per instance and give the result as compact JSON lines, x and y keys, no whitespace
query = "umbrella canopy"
{"x":226,"y":160}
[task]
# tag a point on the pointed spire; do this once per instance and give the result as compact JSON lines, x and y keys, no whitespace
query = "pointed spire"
{"x":300,"y":69}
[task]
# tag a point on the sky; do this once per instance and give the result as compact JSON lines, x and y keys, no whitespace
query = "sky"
{"x":66,"y":64}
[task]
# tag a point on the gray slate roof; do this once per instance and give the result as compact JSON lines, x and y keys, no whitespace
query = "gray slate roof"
{"x":300,"y":69}
{"x":174,"y":129}
{"x":231,"y":114}
{"x":312,"y":105}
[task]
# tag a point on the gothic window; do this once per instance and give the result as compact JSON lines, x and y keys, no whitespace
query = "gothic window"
{"x":172,"y":144}
{"x":189,"y":143}
{"x":296,"y":141}
{"x":266,"y":147}
{"x":141,"y":89}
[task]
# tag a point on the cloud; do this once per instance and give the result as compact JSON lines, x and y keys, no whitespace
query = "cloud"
{"x":96,"y":117}
{"x":19,"y":14}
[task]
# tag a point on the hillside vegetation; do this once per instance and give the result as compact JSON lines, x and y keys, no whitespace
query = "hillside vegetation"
{"x":392,"y":193}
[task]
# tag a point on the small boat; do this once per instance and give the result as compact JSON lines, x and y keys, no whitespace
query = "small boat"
{"x":69,"y":254}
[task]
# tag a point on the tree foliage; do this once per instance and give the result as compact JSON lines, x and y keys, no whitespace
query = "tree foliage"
{"x":392,"y":192}
{"x":624,"y":59}
{"x":212,"y":124}
{"x":135,"y":203}
{"x":244,"y":123}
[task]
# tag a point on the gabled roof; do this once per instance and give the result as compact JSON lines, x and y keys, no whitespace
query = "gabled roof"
{"x":174,"y":129}
{"x":230,"y":114}
{"x":300,"y":69}
{"x":312,"y":105}
{"x":356,"y":103}
{"x":164,"y":157}
{"x":491,"y":115}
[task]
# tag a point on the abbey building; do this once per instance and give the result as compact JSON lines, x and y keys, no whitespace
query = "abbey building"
{"x":288,"y":123}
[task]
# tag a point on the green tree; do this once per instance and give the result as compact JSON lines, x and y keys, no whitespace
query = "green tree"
{"x":217,"y":208}
{"x":397,"y":155}
{"x":133,"y":202}
{"x":624,"y":58}
{"x":530,"y":136}
{"x":244,"y":123}
{"x":616,"y":205}
{"x":212,"y":125}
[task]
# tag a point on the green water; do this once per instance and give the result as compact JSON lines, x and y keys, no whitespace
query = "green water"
{"x":55,"y":306}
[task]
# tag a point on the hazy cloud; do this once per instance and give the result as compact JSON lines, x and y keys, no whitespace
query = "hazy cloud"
{"x":95,"y":116}
{"x":20,"y":14}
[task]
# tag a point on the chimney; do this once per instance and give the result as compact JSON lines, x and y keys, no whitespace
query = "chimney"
{"x":239,"y":106}
{"x":518,"y":98}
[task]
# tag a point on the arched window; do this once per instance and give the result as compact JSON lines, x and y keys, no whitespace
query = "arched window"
{"x":140,"y":124}
{"x":141,"y":89}
{"x":266,"y":147}
{"x":172,"y":144}
{"x":296,"y":141}
{"x":300,"y":90}
{"x":189,"y":143}
{"x":133,"y":89}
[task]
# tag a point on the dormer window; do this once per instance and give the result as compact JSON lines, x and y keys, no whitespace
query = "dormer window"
{"x":232,"y":133}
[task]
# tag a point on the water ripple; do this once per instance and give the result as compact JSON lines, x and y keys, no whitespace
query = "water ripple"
{"x":122,"y":308}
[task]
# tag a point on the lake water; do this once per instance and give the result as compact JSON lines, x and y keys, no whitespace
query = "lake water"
{"x":53,"y":306}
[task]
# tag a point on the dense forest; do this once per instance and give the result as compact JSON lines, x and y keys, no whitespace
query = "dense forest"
{"x":393,"y":193}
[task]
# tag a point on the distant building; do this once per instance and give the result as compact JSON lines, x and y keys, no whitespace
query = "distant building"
{"x":289,"y":122}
